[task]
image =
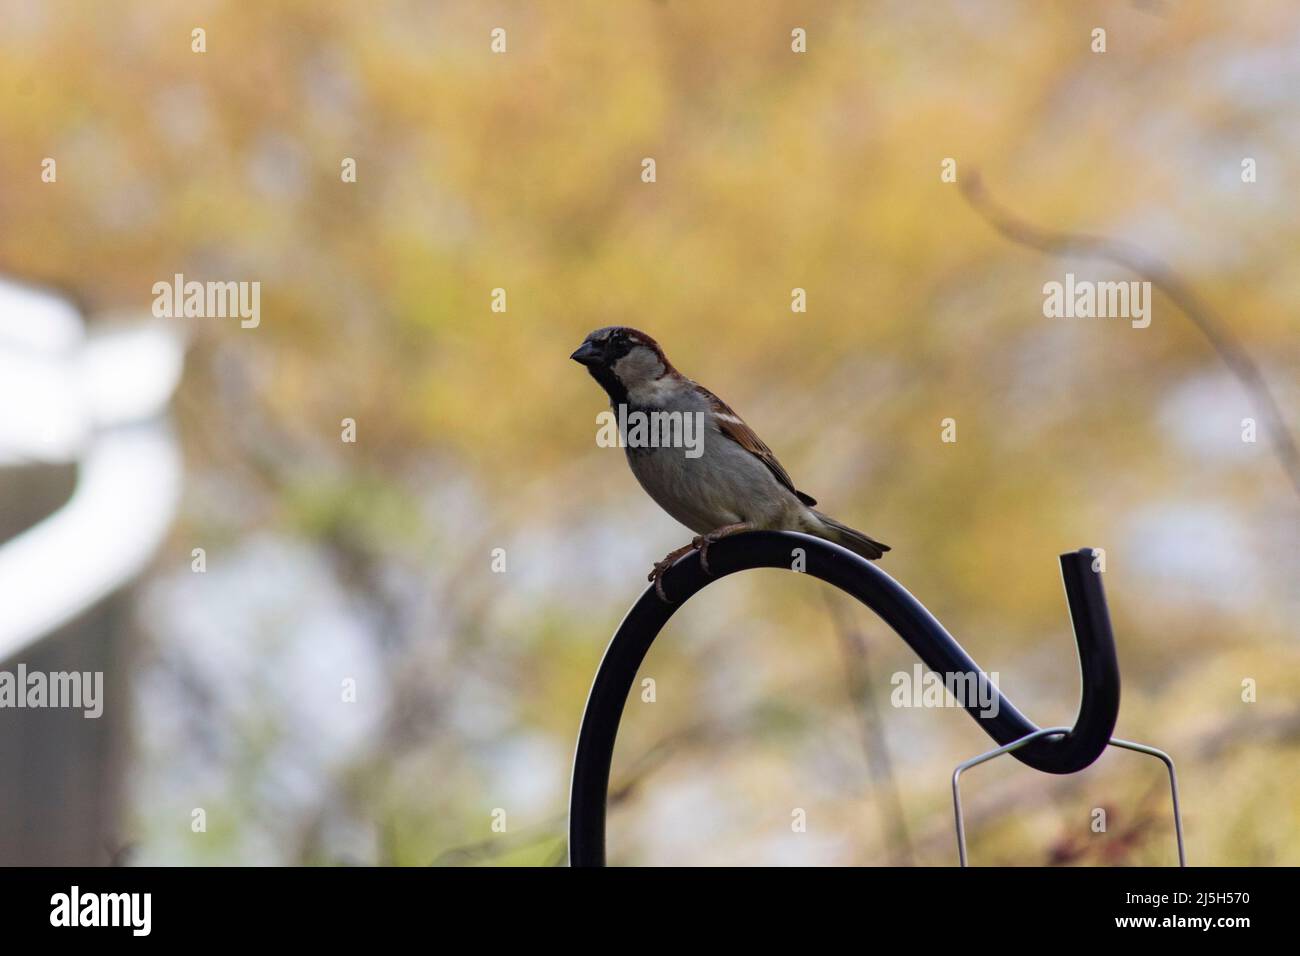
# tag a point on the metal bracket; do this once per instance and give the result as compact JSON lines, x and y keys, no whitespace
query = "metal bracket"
{"x":1055,"y":732}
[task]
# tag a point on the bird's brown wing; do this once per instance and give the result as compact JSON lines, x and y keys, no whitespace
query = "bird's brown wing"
{"x":734,"y":427}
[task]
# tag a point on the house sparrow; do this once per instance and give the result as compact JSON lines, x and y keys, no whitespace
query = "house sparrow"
{"x":734,"y":484}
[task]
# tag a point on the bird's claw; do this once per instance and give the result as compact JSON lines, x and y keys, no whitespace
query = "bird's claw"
{"x":660,"y":567}
{"x":701,"y":544}
{"x":657,"y":576}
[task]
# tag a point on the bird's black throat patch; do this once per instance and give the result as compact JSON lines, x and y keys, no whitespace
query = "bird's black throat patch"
{"x":614,"y":388}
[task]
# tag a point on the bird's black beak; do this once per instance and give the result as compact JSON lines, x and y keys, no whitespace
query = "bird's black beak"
{"x":587,"y":354}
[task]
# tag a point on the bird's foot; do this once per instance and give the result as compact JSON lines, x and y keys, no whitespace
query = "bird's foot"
{"x":699,"y":543}
{"x":656,"y":575}
{"x":702,"y":542}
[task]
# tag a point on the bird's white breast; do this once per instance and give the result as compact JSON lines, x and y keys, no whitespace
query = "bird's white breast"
{"x":724,"y":485}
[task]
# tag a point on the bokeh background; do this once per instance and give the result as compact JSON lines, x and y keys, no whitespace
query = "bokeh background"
{"x":371,"y":561}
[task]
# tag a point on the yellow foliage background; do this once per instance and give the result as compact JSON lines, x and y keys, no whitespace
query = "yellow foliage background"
{"x":775,"y":170}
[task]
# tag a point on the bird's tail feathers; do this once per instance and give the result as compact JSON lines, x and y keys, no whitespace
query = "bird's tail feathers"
{"x":854,"y":540}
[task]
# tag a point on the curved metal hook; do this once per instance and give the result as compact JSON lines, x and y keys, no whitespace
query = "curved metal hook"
{"x":1099,"y":666}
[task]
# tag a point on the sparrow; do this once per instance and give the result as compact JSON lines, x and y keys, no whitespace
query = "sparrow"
{"x":733,"y":484}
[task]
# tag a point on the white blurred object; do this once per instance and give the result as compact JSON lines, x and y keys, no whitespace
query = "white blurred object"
{"x":98,"y":401}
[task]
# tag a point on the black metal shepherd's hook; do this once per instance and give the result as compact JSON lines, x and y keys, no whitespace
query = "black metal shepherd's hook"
{"x":1061,"y":753}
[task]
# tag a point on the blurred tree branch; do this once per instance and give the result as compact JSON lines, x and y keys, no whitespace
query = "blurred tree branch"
{"x":859,"y":683}
{"x":1164,"y":278}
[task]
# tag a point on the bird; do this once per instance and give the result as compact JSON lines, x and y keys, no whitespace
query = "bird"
{"x":732,"y":484}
